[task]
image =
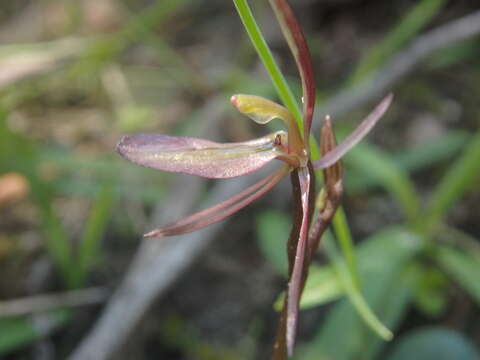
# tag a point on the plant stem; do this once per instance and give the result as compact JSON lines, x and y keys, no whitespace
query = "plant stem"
{"x":286,"y":95}
{"x":342,"y":232}
{"x":279,"y":82}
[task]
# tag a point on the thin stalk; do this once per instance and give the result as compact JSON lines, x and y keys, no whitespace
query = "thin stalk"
{"x":288,"y":99}
{"x":350,"y":275}
{"x":342,"y":232}
{"x":279,"y":82}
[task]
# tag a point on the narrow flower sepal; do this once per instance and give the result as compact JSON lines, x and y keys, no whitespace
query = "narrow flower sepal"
{"x":221,"y":210}
{"x":355,"y":137}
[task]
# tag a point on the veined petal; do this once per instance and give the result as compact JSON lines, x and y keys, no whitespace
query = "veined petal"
{"x":201,"y":157}
{"x":354,"y":138}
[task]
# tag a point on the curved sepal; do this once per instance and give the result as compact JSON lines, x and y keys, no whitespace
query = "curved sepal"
{"x":354,"y":138}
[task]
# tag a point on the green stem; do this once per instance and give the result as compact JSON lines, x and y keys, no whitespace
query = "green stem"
{"x":287,"y":97}
{"x":342,"y":232}
{"x":268,"y":60}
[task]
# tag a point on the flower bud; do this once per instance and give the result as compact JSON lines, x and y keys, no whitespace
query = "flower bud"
{"x":332,"y":175}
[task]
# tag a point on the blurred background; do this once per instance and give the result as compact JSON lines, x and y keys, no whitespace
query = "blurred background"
{"x":77,"y":280}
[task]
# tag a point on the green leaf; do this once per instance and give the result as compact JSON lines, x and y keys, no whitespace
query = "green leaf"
{"x":409,"y":159}
{"x":19,"y":332}
{"x":19,"y":154}
{"x":268,"y":60}
{"x":462,"y":267}
{"x":434,"y":343}
{"x":342,"y":232}
{"x":410,"y":25}
{"x":354,"y":294}
{"x":278,"y":80}
{"x":57,"y":242}
{"x":431,"y":292}
{"x":273,"y":228}
{"x":322,"y":287}
{"x":373,"y":163}
{"x":458,"y":180}
{"x":138,"y":28}
{"x":454,"y":54}
{"x":388,"y":280}
{"x":89,"y":247}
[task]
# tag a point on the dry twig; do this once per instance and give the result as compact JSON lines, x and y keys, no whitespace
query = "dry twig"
{"x":43,"y":303}
{"x":400,"y":65}
{"x":158,"y":262}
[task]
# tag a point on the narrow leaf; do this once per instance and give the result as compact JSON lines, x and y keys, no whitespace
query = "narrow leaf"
{"x":89,"y":247}
{"x":200,"y":157}
{"x":322,"y":286}
{"x":355,"y":137}
{"x":258,"y":41}
{"x":462,"y":267}
{"x":383,"y":261}
{"x":459,"y":178}
{"x":272,"y":225}
{"x":434,"y":342}
{"x":19,"y":332}
{"x":409,"y":26}
{"x":406,"y":160}
{"x":373,"y":163}
{"x":344,"y":236}
{"x":354,"y":294}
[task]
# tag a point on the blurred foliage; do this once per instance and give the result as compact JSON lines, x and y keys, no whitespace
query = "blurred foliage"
{"x":434,"y":343}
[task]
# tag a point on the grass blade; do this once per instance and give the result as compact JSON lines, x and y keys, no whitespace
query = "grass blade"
{"x":258,"y":41}
{"x":89,"y":246}
{"x":384,"y":263}
{"x":412,"y":23}
{"x":462,"y":267}
{"x":355,"y":296}
{"x":18,"y":332}
{"x":373,"y":163}
{"x":342,"y":231}
{"x":459,"y":178}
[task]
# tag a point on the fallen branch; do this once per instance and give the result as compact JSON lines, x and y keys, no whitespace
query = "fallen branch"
{"x":43,"y":303}
{"x":400,"y":65}
{"x":158,"y":262}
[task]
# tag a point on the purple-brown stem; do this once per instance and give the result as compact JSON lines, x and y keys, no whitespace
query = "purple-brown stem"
{"x":303,"y":201}
{"x":298,"y":45}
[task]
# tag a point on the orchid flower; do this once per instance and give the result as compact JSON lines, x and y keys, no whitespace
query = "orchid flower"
{"x":214,"y":160}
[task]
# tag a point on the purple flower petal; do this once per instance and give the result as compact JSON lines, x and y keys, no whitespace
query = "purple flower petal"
{"x":201,"y":157}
